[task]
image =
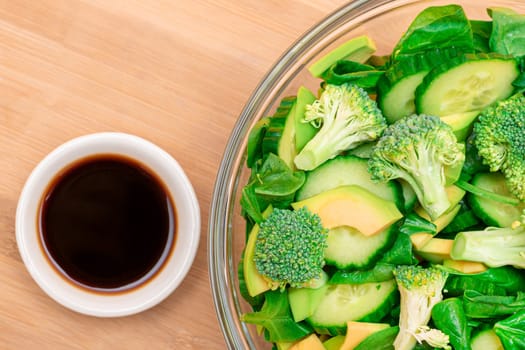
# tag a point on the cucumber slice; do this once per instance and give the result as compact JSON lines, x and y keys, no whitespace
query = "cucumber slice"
{"x":279,"y":138}
{"x":486,"y":340}
{"x":396,"y":88}
{"x":368,"y":302}
{"x":467,"y":83}
{"x":349,"y":248}
{"x":347,"y":170}
{"x":494,"y":213}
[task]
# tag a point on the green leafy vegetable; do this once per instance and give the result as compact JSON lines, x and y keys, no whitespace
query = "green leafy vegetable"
{"x":272,"y":182}
{"x":449,"y":316}
{"x":478,"y":305}
{"x":379,"y":273}
{"x":414,"y":224}
{"x":254,"y":146}
{"x":508,"y":31}
{"x":438,"y":26}
{"x":345,"y":71}
{"x":401,"y":252}
{"x":504,"y":280}
{"x":381,"y":340}
{"x":481,"y":31}
{"x":276,"y":318}
{"x":511,"y":331}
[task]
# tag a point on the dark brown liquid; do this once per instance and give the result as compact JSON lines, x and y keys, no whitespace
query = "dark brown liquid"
{"x":107,"y":223}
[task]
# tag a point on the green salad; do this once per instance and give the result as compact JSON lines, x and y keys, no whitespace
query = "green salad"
{"x":386,"y":210}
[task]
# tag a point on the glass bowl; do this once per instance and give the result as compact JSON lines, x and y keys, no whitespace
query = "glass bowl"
{"x":384,"y":21}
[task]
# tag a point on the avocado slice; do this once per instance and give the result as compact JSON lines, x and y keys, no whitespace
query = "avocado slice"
{"x":353,"y":206}
{"x":304,"y":132}
{"x":311,"y":342}
{"x":436,"y":250}
{"x":358,"y":49}
{"x":255,"y":282}
{"x":356,"y":332}
{"x":334,"y":343}
{"x":420,"y":239}
{"x":304,"y":301}
{"x":465,"y":266}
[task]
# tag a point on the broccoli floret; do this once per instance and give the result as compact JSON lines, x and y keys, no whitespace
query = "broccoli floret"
{"x":494,"y":246}
{"x":420,"y":289}
{"x":500,"y":140}
{"x":347,"y":117}
{"x":417,"y":149}
{"x":290,"y":247}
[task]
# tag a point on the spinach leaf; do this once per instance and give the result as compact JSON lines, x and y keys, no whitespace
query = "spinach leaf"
{"x":345,"y":71}
{"x":436,"y":27}
{"x":276,"y":181}
{"x":381,"y":340}
{"x":511,"y":331}
{"x":379,"y":273}
{"x":400,"y":253}
{"x":508,"y":31}
{"x":481,"y":31}
{"x":254,"y":145}
{"x":478,"y":305}
{"x":276,"y":318}
{"x":449,"y":316}
{"x":414,"y":223}
{"x":271,"y":183}
{"x":505,"y":280}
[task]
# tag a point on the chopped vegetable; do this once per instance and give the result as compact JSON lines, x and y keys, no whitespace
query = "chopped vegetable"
{"x":347,"y":117}
{"x":420,"y":290}
{"x":290,"y":247}
{"x":410,"y":228}
{"x":416,"y":149}
{"x":500,"y":140}
{"x":493,"y":246}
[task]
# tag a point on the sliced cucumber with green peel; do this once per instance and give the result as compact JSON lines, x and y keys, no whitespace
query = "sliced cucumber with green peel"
{"x":347,"y":170}
{"x":467,"y":83}
{"x":368,"y":302}
{"x":349,"y":248}
{"x":486,"y":340}
{"x":396,"y":88}
{"x":279,"y":138}
{"x":494,"y":213}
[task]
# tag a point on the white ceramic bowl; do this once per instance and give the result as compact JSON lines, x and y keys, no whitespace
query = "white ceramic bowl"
{"x":175,"y":267}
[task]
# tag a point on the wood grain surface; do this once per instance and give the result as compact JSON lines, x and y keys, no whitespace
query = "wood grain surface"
{"x":176,"y":72}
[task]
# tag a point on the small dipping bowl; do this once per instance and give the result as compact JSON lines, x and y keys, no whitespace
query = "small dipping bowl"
{"x":176,"y":265}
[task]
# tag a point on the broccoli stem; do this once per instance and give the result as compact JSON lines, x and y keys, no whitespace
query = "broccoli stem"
{"x":428,"y":182}
{"x":495,"y":247}
{"x":434,"y":198}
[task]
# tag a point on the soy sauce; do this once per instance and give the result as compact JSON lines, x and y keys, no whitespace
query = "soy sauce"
{"x":107,"y":223}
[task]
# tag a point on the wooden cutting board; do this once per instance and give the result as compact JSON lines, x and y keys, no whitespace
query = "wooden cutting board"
{"x":176,"y":72}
